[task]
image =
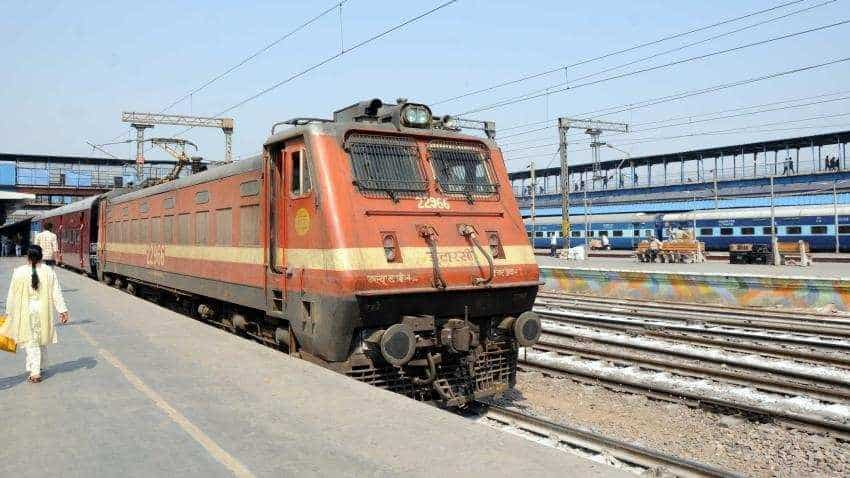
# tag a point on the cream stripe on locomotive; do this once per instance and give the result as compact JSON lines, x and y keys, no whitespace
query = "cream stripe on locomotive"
{"x":343,"y":259}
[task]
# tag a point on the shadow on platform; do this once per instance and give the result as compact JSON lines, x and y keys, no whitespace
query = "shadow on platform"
{"x":69,"y":366}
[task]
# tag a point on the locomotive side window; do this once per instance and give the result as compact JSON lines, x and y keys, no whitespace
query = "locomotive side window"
{"x":297,"y":173}
{"x":183,"y":229}
{"x":706,"y":231}
{"x":156,"y":230}
{"x":818,"y":229}
{"x":726,"y":231}
{"x":793,"y":230}
{"x":201,"y":227}
{"x":144,"y":229}
{"x":168,"y":229}
{"x":461,"y":168}
{"x":385,"y":163}
{"x":249,"y":225}
{"x":223,"y":227}
{"x":844,"y":229}
{"x":748,"y":231}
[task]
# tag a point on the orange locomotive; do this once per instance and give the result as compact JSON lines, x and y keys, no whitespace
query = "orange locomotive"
{"x":383,"y":244}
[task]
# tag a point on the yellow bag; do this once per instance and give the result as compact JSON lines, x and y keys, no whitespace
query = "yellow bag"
{"x":6,"y":343}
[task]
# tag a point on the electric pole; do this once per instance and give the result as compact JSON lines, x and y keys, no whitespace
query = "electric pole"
{"x":533,"y":203}
{"x":565,"y":180}
{"x":594,"y":129}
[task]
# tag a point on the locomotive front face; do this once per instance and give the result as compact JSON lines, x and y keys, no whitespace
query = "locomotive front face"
{"x":411,"y":253}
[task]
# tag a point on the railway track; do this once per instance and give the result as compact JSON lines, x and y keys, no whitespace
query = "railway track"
{"x":714,"y":315}
{"x":596,"y":446}
{"x":744,"y":313}
{"x":760,"y":368}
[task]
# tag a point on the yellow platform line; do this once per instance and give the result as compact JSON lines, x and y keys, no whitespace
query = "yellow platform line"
{"x":229,"y":461}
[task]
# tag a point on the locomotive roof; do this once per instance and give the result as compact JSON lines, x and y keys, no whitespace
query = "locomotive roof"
{"x":340,"y":129}
{"x":760,"y":213}
{"x":226,"y":170}
{"x":76,"y":206}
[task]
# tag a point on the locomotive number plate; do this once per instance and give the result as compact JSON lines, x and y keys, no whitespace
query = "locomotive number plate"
{"x":433,"y":203}
{"x":155,"y":255}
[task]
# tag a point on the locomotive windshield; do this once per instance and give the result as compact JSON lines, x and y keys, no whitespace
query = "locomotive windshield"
{"x":461,"y":169}
{"x":386,"y":163}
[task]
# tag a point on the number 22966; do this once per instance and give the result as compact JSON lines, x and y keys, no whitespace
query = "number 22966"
{"x":433,"y":203}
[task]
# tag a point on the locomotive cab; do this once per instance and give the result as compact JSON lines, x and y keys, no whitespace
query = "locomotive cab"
{"x":393,"y":255}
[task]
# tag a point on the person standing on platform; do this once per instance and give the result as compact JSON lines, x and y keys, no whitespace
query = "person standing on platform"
{"x":553,"y":244}
{"x":33,"y":295}
{"x":606,"y":245}
{"x":48,"y":243}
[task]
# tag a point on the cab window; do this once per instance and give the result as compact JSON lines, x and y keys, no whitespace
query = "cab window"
{"x":300,"y":184}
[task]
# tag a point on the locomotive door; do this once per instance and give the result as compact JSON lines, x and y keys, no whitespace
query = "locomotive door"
{"x":60,"y":236}
{"x":275,"y":273}
{"x":299,"y":214}
{"x":82,"y":244}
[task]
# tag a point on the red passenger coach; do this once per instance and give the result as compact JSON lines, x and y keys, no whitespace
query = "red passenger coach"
{"x":76,"y":228}
{"x":384,"y":244}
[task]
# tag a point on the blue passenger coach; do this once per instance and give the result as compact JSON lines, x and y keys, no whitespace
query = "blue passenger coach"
{"x":624,"y":231}
{"x":717,"y":228}
{"x":813,"y":224}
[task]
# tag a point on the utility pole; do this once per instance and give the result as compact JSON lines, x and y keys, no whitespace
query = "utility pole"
{"x":533,"y":203}
{"x":565,"y":181}
{"x":773,"y":241}
{"x":835,"y":212}
{"x":594,"y":129}
{"x":140,"y":147}
{"x":141,"y":121}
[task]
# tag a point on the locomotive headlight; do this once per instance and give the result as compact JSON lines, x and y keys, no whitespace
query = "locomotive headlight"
{"x":416,"y":116}
{"x":527,"y":328}
{"x":398,"y":344}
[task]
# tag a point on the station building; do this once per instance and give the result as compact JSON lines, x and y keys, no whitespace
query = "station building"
{"x":30,"y":184}
{"x":803,"y":170}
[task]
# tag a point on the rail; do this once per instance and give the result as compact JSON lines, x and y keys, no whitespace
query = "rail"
{"x":586,"y":442}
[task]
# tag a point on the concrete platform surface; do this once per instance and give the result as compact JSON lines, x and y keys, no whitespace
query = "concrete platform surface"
{"x":818,"y":270}
{"x":135,"y":390}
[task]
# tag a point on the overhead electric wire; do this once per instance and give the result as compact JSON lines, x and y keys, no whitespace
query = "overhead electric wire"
{"x":673,"y":97}
{"x":329,"y":59}
{"x":524,"y":98}
{"x":257,"y":53}
{"x":704,"y":133}
{"x":704,"y":120}
{"x":614,"y":53}
{"x":250,"y":57}
{"x":545,"y":90}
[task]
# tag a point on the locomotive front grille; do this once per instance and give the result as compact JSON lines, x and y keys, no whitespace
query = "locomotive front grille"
{"x":494,"y":372}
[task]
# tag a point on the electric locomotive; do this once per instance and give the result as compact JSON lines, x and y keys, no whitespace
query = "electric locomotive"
{"x":383,"y":243}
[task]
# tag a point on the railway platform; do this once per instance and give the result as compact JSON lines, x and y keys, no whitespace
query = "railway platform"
{"x":819,"y":285}
{"x":133,"y":389}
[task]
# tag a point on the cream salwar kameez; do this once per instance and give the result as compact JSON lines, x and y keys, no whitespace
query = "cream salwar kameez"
{"x":30,"y":313}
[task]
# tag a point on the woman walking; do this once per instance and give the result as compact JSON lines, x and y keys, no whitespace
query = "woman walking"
{"x":33,"y":294}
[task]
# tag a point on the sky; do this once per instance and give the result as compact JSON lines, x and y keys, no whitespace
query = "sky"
{"x":70,"y":68}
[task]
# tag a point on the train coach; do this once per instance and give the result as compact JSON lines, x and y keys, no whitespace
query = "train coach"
{"x":624,"y":231}
{"x":76,"y":229}
{"x":820,"y":226}
{"x":717,"y":228}
{"x":378,"y":243}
